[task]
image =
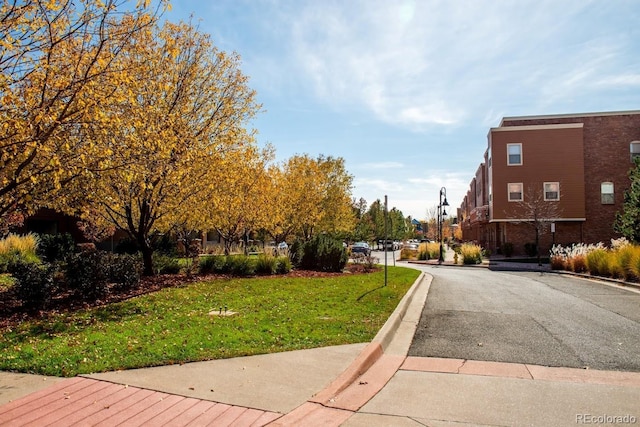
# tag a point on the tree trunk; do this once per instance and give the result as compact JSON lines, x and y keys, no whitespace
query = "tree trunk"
{"x":147,"y":260}
{"x":538,"y":245}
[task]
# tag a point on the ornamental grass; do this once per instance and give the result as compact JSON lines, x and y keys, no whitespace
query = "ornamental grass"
{"x":621,"y":260}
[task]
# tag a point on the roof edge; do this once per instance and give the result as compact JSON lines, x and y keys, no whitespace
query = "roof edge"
{"x":537,"y":127}
{"x":572,"y":115}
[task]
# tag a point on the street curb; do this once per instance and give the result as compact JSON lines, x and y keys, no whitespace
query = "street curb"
{"x":371,"y":354}
{"x":387,"y":332}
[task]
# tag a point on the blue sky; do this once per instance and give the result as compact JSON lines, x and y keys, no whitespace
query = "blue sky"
{"x":407,"y":90}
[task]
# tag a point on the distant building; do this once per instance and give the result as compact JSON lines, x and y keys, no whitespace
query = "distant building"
{"x":577,"y":164}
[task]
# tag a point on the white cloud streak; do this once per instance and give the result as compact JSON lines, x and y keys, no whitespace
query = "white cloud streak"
{"x":419,"y":64}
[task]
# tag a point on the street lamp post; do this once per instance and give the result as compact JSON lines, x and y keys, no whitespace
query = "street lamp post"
{"x":442,"y":212}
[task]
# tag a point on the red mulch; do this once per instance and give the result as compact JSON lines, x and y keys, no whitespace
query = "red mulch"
{"x":12,"y":313}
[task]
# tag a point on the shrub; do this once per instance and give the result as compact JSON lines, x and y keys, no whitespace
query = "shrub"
{"x":471,"y":254}
{"x":621,"y":261}
{"x":634,"y":265}
{"x":423,"y":252}
{"x":164,"y":264}
{"x":26,"y":244}
{"x":578,"y":264}
{"x":124,"y":270}
{"x":433,"y":249}
{"x":407,"y":253}
{"x":369,"y":262}
{"x":165,"y":244}
{"x":573,"y":256}
{"x":507,"y":249}
{"x":296,"y":252}
{"x":87,"y":275}
{"x":14,"y":248}
{"x":283,"y":265}
{"x":597,"y":262}
{"x":126,"y":246}
{"x":34,"y":283}
{"x":530,"y":249}
{"x":240,"y":265}
{"x":55,"y":247}
{"x":558,"y":263}
{"x":266,"y":264}
{"x":212,"y":264}
{"x":323,"y":253}
{"x":430,"y":250}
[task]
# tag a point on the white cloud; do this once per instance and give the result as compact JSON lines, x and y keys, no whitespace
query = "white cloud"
{"x":623,"y":80}
{"x":413,"y":195}
{"x":417,"y":65}
{"x":380,"y":165}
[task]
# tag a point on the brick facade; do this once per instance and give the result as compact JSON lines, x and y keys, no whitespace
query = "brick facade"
{"x":580,"y":151}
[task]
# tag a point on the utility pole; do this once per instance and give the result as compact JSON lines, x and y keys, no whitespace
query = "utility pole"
{"x":386,"y":214}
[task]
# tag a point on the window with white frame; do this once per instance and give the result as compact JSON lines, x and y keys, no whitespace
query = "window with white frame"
{"x":606,"y":193}
{"x":514,"y":154}
{"x":634,"y":149}
{"x":515,"y":191}
{"x":551,"y":191}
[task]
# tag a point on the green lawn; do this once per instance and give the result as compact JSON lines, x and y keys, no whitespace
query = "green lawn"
{"x":175,"y":325}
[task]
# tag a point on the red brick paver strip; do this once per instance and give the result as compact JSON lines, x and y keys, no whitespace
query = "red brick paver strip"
{"x":629,"y":379}
{"x":432,"y":364}
{"x":522,"y":371}
{"x":83,"y":402}
{"x":368,"y":385}
{"x":311,"y":414}
{"x":495,"y":369}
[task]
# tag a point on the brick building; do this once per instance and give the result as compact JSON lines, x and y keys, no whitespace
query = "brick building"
{"x":570,"y":171}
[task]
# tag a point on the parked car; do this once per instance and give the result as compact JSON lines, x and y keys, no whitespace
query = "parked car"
{"x":411,"y":246}
{"x":391,"y":245}
{"x":361,"y":248}
{"x":283,"y":246}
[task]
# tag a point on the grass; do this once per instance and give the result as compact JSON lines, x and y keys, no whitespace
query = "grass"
{"x":174,"y":325}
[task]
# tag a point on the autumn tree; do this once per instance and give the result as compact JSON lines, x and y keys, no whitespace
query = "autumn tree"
{"x":240,"y":203}
{"x":431,"y":223}
{"x":175,"y":118}
{"x":280,"y":221}
{"x":310,"y":196}
{"x":335,"y":186}
{"x":54,"y":57}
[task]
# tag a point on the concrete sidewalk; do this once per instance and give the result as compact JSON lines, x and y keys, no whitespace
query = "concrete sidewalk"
{"x":369,"y":384}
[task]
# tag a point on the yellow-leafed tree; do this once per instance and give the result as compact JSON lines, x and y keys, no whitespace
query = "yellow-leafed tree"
{"x":177,"y":118}
{"x":54,"y":56}
{"x":310,"y":196}
{"x":241,"y":203}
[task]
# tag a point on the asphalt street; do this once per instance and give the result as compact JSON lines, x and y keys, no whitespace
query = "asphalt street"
{"x":529,"y":317}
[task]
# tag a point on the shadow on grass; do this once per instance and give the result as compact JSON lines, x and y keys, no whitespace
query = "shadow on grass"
{"x":370,"y":292}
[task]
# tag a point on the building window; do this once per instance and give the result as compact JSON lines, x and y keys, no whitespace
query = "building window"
{"x":515,"y":192}
{"x":514,"y":154}
{"x":551,"y":191}
{"x":606,"y":192}
{"x":634,"y":149}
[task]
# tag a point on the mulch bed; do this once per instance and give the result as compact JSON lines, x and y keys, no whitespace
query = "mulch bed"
{"x":12,"y":313}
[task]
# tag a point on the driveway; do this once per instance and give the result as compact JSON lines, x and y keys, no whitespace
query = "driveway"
{"x":529,"y":317}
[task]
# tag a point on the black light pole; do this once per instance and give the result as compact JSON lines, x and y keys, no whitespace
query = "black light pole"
{"x":386,"y":214}
{"x":441,"y":214}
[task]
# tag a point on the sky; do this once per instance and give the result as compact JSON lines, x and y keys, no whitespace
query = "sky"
{"x":406,"y":91}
